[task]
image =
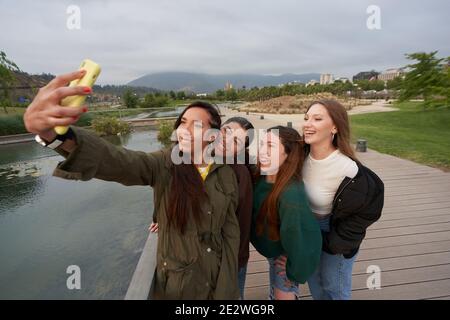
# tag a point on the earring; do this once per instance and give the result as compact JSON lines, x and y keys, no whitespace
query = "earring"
{"x":332,"y":137}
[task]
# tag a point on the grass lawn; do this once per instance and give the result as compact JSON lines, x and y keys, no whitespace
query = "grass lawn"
{"x":11,"y":111}
{"x":411,"y":133}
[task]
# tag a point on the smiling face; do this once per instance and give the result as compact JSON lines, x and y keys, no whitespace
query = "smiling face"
{"x":272,"y":154}
{"x":194,"y":123}
{"x":232,"y":140}
{"x":318,"y":127}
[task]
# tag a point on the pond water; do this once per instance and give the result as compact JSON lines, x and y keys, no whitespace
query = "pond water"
{"x":48,"y":224}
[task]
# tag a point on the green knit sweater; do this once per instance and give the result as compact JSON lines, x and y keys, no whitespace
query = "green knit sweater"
{"x":300,"y":236}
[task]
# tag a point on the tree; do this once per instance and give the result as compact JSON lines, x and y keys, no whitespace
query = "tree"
{"x":220,"y":94}
{"x":130,"y":99}
{"x":181,"y":95}
{"x":7,"y":79}
{"x":363,"y":84}
{"x":172,"y":95}
{"x":394,"y":83}
{"x":445,"y":89}
{"x":149,"y":101}
{"x":426,"y":78}
{"x":231,"y":95}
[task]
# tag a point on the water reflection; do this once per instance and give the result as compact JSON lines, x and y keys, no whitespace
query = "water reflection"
{"x":47,"y":224}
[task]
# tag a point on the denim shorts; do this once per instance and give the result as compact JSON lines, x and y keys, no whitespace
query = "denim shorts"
{"x":281,"y":282}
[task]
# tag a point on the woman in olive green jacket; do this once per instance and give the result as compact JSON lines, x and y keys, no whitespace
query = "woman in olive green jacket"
{"x":195,"y":205}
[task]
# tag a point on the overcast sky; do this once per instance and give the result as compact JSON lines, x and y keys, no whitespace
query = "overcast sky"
{"x":133,"y":38}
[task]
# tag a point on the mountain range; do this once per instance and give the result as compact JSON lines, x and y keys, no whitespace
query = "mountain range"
{"x":208,"y":83}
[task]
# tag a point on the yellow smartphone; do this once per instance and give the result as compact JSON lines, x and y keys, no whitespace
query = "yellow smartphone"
{"x":92,"y":73}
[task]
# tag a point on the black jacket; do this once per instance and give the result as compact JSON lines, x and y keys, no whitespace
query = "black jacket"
{"x":357,"y":204}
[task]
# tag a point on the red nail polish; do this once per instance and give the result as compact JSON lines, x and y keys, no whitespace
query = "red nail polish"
{"x":87,"y":90}
{"x":85,"y":109}
{"x":74,"y":118}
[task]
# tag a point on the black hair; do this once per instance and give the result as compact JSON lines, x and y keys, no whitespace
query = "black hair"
{"x":246,"y":125}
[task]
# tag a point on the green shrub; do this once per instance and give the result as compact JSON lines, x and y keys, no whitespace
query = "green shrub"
{"x":12,"y":124}
{"x":85,"y":120}
{"x":165,"y":132}
{"x":105,"y":126}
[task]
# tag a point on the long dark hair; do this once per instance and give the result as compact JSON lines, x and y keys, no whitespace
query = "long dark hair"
{"x":289,"y":171}
{"x":187,"y":191}
{"x":339,"y":116}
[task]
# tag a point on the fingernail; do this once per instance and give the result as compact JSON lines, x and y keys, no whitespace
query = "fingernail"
{"x":87,"y":90}
{"x":83,"y":71}
{"x":85,"y":109}
{"x":74,"y":118}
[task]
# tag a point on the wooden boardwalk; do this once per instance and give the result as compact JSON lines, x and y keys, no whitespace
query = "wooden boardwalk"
{"x":410,"y":243}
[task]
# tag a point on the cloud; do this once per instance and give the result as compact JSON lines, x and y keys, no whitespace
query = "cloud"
{"x":132,"y":38}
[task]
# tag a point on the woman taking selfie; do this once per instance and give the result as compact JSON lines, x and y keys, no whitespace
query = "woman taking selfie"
{"x":232,"y":148}
{"x":195,"y":204}
{"x":345,"y":196}
{"x":284,"y":229}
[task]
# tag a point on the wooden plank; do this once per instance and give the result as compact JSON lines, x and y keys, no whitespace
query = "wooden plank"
{"x":414,"y":192}
{"x":408,"y":222}
{"x":405,"y":239}
{"x":258,"y":268}
{"x":414,"y":214}
{"x":416,"y":202}
{"x":413,"y":291}
{"x":417,"y":180}
{"x":419,"y":195}
{"x":403,"y":250}
{"x":402,"y":277}
{"x":408,"y":189}
{"x":405,"y":262}
{"x":430,"y":228}
{"x":425,"y":207}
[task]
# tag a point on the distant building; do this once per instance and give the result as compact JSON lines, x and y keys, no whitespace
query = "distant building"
{"x":201,"y":95}
{"x":228,"y":86}
{"x":342,"y":79}
{"x":326,"y":78}
{"x":390,"y":74}
{"x":311,"y":83}
{"x":366,"y":75}
{"x":295,"y":82}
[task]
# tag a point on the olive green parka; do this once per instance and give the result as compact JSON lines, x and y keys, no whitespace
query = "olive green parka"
{"x":201,"y":263}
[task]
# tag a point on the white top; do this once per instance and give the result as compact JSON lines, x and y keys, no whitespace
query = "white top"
{"x":323,"y":177}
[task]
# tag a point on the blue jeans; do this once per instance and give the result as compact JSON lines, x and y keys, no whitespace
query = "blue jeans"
{"x":242,"y":273}
{"x":332,"y":280}
{"x":281,"y":282}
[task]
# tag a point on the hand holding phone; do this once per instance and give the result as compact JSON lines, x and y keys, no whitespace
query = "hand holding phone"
{"x":91,"y":75}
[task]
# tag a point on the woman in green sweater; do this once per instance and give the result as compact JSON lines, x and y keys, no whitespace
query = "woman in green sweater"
{"x":284,"y":229}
